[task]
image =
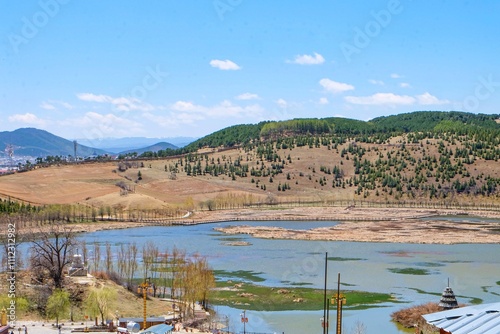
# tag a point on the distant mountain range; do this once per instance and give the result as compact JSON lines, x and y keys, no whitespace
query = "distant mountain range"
{"x":40,"y":143}
{"x":119,"y":145}
{"x":152,"y":148}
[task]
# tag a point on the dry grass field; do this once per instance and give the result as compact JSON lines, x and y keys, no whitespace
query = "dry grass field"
{"x":95,"y":184}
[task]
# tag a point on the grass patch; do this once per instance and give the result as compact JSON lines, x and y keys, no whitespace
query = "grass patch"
{"x":334,"y":258}
{"x":456,"y":261}
{"x":409,"y":271}
{"x":422,"y":292}
{"x":347,"y":284}
{"x":473,"y":300}
{"x":231,"y":239}
{"x":498,"y":282}
{"x":244,"y":275}
{"x":261,"y":298}
{"x":296,"y":283}
{"x":429,"y":264}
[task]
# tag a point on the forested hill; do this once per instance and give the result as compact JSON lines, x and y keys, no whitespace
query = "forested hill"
{"x":419,"y":121}
{"x":423,"y":123}
{"x":453,"y":121}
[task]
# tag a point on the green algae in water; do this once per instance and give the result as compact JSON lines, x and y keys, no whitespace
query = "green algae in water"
{"x":345,"y":259}
{"x":409,"y":271}
{"x":240,"y":274}
{"x":249,"y":296}
{"x":429,"y":264}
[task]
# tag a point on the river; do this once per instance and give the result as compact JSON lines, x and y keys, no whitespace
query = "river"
{"x":472,"y":269}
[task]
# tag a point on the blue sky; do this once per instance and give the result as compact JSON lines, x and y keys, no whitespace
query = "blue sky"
{"x":95,"y":69}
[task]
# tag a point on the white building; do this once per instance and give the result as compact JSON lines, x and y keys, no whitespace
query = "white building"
{"x":477,"y":319}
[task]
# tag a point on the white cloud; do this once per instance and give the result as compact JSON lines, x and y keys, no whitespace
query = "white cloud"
{"x":52,"y":105}
{"x":315,"y":59}
{"x":187,"y":113}
{"x":247,"y":96}
{"x":27,"y":118}
{"x":223,"y":109}
{"x":65,"y":104}
{"x":323,"y":101}
{"x":174,"y":119}
{"x":404,"y":85}
{"x":92,"y":118}
{"x":376,"y":82}
{"x":47,"y":106}
{"x":226,"y":108}
{"x":224,"y":64}
{"x":89,"y":97}
{"x":281,"y":103}
{"x":96,"y":125}
{"x":394,"y":99}
{"x":120,"y":103}
{"x":381,"y":99}
{"x":334,"y":86}
{"x":396,"y":76}
{"x":428,"y":99}
{"x":185,"y":106}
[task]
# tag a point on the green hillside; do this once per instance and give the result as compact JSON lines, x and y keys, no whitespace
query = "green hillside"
{"x":381,"y":127}
{"x":432,"y":155}
{"x":453,"y":121}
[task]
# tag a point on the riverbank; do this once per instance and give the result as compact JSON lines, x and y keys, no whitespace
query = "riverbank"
{"x":386,"y":225}
{"x":404,"y":225}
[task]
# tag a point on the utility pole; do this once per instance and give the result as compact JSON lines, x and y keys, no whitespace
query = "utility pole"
{"x":324,"y":322}
{"x":244,"y":320}
{"x":144,"y":288}
{"x":75,"y":145}
{"x":340,"y":300}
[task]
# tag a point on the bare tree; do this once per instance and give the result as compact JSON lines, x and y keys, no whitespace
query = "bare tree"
{"x":150,"y":258}
{"x":206,"y":281}
{"x":359,"y":328}
{"x":122,"y":261}
{"x":109,"y":258}
{"x":164,"y":263}
{"x":178,"y":259}
{"x":50,"y":252}
{"x":97,"y":256}
{"x":131,"y":263}
{"x":197,"y":280}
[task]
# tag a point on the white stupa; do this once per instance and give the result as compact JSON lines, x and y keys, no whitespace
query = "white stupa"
{"x":77,"y":268}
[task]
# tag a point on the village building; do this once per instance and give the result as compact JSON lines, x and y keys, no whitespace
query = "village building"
{"x":476,"y":319}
